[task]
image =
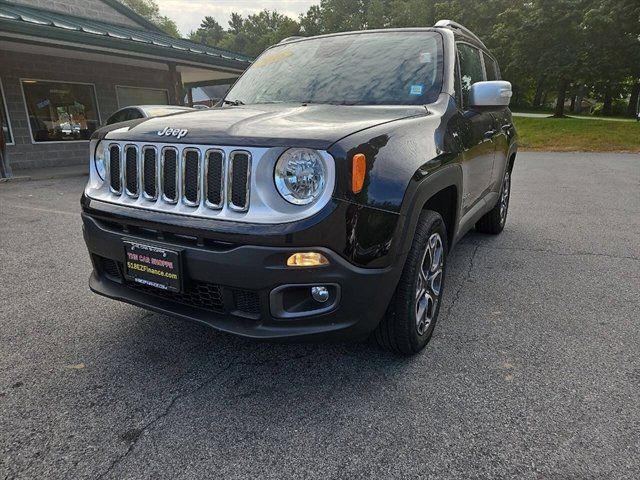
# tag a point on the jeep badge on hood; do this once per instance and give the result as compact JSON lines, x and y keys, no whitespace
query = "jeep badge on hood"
{"x":173,"y":132}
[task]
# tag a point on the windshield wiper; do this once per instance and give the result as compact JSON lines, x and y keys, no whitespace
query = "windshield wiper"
{"x":235,"y":103}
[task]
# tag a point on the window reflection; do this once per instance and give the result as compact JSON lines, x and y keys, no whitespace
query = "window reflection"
{"x":60,"y":111}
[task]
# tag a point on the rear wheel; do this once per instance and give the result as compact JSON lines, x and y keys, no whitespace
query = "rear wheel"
{"x":412,"y":314}
{"x":494,"y":221}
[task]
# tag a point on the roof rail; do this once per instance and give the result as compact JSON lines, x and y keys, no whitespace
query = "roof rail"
{"x":456,"y":26}
{"x":290,"y":39}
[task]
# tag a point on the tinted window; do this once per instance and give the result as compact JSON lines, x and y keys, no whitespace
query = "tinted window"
{"x":470,"y":69}
{"x":60,"y":111}
{"x":491,"y":67}
{"x":124,"y":115}
{"x":119,"y":116}
{"x":358,"y":69}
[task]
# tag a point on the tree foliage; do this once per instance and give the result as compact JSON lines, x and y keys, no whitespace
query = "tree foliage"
{"x":149,"y":10}
{"x":546,"y":48}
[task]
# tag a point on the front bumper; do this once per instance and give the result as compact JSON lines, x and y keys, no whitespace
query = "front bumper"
{"x":229,"y":286}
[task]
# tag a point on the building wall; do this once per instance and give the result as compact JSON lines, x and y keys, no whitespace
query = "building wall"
{"x":93,"y":9}
{"x":105,"y":77}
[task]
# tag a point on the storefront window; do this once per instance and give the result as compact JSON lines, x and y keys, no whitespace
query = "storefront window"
{"x":60,"y":111}
{"x":4,"y":118}
{"x":128,"y":96}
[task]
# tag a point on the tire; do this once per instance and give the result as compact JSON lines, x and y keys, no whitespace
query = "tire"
{"x":404,"y":329}
{"x":494,"y":221}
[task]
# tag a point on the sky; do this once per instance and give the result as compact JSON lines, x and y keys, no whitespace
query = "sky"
{"x":188,"y":13}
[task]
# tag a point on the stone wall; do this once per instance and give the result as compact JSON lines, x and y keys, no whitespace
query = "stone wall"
{"x":105,"y":76}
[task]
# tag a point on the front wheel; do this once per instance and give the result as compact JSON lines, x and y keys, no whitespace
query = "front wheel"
{"x":411,"y":317}
{"x":494,"y":221}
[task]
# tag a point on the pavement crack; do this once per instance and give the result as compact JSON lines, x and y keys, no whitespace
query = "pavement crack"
{"x":463,"y":282}
{"x":169,"y":407}
{"x":553,"y":252}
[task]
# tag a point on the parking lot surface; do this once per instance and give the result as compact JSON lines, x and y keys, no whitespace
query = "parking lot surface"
{"x":533,"y":370}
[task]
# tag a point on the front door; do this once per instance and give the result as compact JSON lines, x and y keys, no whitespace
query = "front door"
{"x":477,"y":132}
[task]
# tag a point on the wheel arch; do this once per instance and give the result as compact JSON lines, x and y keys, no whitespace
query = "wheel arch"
{"x":445,"y":203}
{"x":440,"y":191}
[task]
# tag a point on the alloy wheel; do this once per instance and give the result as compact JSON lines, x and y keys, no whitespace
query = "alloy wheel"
{"x":429,"y":284}
{"x":504,"y":197}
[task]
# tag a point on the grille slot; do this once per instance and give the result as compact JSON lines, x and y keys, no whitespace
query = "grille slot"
{"x":170,"y":175}
{"x":191,"y":177}
{"x":247,"y":302}
{"x":131,"y":170}
{"x":115,"y":177}
{"x":110,"y":268}
{"x":239,"y":177}
{"x":214,"y":182}
{"x":207,"y":296}
{"x":150,"y":173}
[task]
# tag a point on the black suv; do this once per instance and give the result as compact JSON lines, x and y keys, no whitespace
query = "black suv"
{"x":321,"y":200}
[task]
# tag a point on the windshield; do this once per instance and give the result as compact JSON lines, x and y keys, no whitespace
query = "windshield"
{"x":380,"y":68}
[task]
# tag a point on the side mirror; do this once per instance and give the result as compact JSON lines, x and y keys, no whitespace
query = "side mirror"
{"x":490,"y":94}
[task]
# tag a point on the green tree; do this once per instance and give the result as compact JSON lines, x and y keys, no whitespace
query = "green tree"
{"x":210,"y":32}
{"x":149,"y":10}
{"x":251,"y":35}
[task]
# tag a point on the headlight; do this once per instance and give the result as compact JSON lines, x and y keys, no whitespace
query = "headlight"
{"x":100,"y":161}
{"x":300,"y":175}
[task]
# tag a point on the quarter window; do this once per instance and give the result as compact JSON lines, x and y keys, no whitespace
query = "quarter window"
{"x":60,"y":111}
{"x":470,"y":69}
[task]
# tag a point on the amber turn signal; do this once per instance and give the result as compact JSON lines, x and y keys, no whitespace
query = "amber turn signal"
{"x":307,"y":259}
{"x":359,"y":171}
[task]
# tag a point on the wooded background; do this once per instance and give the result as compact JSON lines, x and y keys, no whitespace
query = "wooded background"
{"x":555,"y":52}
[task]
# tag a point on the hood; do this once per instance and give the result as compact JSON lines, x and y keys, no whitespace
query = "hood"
{"x":312,"y":126}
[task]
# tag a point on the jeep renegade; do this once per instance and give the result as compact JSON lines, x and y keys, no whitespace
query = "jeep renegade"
{"x":322,"y":197}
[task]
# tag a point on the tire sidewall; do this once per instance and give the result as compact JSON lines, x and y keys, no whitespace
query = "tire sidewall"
{"x":429,"y":223}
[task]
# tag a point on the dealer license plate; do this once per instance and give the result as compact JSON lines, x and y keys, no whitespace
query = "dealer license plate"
{"x":154,"y":266}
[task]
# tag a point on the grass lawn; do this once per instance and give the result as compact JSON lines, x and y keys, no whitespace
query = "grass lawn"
{"x":573,"y":134}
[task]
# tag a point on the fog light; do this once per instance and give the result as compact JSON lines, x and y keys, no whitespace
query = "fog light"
{"x":307,"y":259}
{"x":320,"y":294}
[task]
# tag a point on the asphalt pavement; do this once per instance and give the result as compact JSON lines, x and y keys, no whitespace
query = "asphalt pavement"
{"x":533,"y":371}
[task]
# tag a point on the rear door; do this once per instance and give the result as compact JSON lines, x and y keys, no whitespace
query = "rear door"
{"x":477,"y":131}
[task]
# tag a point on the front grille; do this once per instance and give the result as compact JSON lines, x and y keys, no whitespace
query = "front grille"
{"x":191,"y":176}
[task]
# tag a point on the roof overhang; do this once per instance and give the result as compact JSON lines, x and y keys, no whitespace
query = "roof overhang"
{"x":46,"y":35}
{"x":191,"y":73}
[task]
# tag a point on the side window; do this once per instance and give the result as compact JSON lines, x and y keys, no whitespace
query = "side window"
{"x":120,"y":116}
{"x":133,"y":114}
{"x":491,"y":67}
{"x":470,"y":69}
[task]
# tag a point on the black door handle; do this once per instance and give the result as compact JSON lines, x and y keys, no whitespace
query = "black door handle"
{"x":490,"y":134}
